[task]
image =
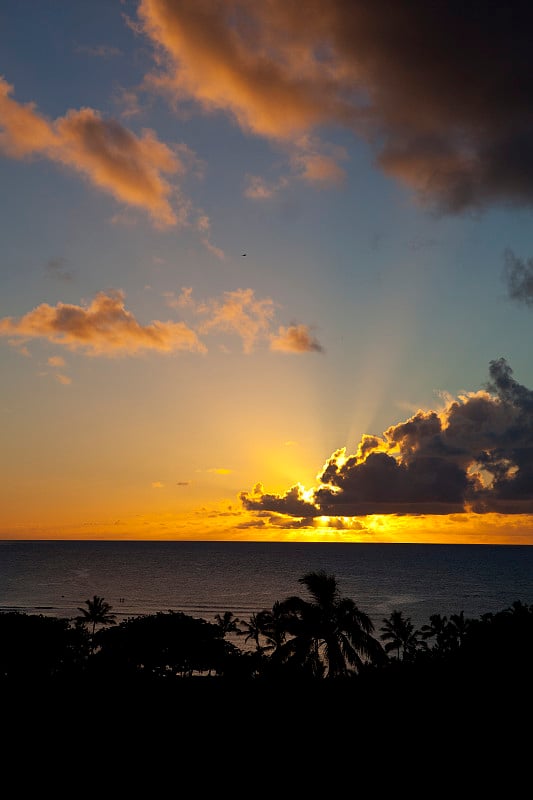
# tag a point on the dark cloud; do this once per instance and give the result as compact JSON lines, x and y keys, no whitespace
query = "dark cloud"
{"x":99,"y":50}
{"x":476,"y":454}
{"x":518,"y":276}
{"x":443,"y":89}
{"x":292,"y":502}
{"x":55,"y":268}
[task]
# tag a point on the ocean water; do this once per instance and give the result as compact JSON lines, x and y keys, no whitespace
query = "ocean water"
{"x":206,"y":578}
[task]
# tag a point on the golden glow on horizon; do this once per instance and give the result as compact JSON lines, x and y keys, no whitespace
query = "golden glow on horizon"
{"x":228,"y":522}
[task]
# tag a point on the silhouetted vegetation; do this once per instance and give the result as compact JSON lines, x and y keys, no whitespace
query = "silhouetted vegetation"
{"x":98,"y":612}
{"x":323,"y":636}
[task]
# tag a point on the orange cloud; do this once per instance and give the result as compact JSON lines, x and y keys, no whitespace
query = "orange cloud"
{"x":451,"y":122}
{"x":104,"y":327}
{"x":114,"y":159}
{"x":295,"y":339}
{"x":239,"y":312}
{"x":261,"y":64}
{"x":318,"y":168}
{"x":273,"y":84}
{"x":56,"y":361}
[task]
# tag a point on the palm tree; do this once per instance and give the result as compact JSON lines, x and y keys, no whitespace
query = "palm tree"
{"x":253,"y":629}
{"x":98,"y":612}
{"x":440,"y":629}
{"x":227,"y":622}
{"x":272,"y":626}
{"x":330,"y":635}
{"x":399,"y":634}
{"x":459,"y":627}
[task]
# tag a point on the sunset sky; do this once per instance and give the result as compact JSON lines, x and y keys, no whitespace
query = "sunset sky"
{"x":266,"y":270}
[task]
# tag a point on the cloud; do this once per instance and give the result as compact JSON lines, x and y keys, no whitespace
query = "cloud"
{"x":220,"y":471}
{"x":158,"y":485}
{"x":56,"y":361}
{"x":442,"y":91}
{"x":183,"y":483}
{"x":475,"y":454}
{"x":213,"y":249}
{"x":239,"y":312}
{"x":104,"y":327}
{"x":295,"y":339}
{"x":519,"y":278}
{"x":114,"y":159}
{"x":128,"y":101}
{"x":99,"y":50}
{"x":292,"y":503}
{"x":55,"y":268}
{"x":203,"y":224}
{"x":258,"y":188}
{"x":63,"y":379}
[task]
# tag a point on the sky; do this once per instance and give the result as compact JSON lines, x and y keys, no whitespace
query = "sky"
{"x":266,"y":270}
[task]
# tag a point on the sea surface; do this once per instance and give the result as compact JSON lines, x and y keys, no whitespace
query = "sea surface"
{"x":207,"y":578}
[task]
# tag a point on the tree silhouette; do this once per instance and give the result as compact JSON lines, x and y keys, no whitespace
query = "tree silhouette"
{"x":253,"y":629}
{"x":458,"y":628}
{"x":399,"y":634}
{"x":439,"y":630}
{"x":272,"y":625}
{"x":163,"y":645}
{"x":330,"y":636}
{"x":98,"y":612}
{"x":227,"y":622}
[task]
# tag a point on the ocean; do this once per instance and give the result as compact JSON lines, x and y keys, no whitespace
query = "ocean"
{"x":207,"y":578}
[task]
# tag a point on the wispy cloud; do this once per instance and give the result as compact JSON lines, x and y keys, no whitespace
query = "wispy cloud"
{"x":258,"y":188}
{"x":243,"y":314}
{"x":55,"y":268}
{"x":203,"y":225}
{"x":56,"y":361}
{"x":98,"y":50}
{"x":239,"y":312}
{"x":518,"y":275}
{"x":114,"y":159}
{"x":295,"y":339}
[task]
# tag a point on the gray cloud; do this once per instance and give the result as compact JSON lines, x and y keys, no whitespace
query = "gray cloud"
{"x":474,"y":455}
{"x":55,"y":268}
{"x":518,"y":276}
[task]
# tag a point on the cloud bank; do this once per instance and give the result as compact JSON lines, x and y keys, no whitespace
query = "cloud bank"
{"x":475,"y":455}
{"x":443,"y":91}
{"x":105,"y":327}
